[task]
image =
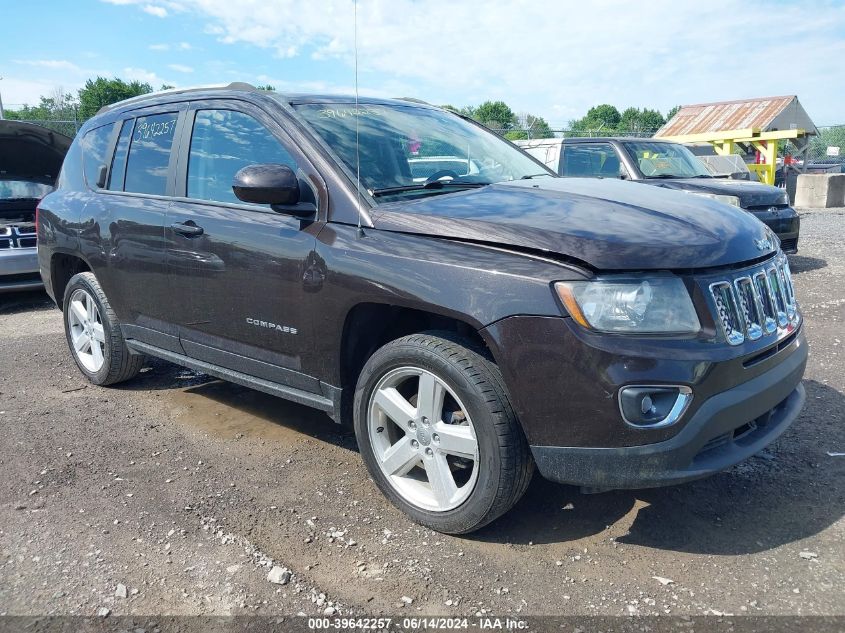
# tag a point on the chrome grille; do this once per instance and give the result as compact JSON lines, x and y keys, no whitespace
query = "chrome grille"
{"x":756,"y":303}
{"x":17,"y":237}
{"x":727,"y":312}
{"x":750,"y":308}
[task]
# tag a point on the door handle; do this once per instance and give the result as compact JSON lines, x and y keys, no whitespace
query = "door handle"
{"x":186,"y":229}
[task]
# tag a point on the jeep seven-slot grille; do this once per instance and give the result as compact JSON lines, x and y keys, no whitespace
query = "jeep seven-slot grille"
{"x":756,"y":303}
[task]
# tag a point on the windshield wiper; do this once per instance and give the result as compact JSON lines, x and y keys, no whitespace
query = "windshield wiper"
{"x":434,"y":184}
{"x":665,"y":176}
{"x":530,"y":176}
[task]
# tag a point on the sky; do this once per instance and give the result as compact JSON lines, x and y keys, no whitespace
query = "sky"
{"x":554,"y":59}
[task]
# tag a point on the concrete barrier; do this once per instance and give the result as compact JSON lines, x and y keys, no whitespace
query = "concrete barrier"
{"x":820,"y":190}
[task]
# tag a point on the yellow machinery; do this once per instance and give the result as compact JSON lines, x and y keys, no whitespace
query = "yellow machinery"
{"x":765,"y":142}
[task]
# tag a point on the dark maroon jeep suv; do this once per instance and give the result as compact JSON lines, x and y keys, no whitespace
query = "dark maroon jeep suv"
{"x":473,"y":320}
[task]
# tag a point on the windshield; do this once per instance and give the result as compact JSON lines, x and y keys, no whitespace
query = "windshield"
{"x":22,"y":189}
{"x":665,"y":160}
{"x":413,"y":151}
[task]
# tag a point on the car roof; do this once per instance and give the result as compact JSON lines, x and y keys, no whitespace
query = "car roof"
{"x":611,"y":139}
{"x":240,"y":89}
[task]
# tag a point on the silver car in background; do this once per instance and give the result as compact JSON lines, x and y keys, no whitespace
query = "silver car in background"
{"x":30,"y":159}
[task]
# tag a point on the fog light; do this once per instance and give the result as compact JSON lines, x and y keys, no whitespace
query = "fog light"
{"x":655,"y":406}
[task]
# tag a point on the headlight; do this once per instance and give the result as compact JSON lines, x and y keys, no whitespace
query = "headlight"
{"x":732,"y":200}
{"x":659,"y":305}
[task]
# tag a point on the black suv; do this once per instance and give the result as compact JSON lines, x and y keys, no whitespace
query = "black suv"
{"x":471,"y":325}
{"x":672,"y":166}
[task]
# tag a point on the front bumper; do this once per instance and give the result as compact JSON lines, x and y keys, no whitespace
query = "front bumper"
{"x":785,"y":223}
{"x":19,"y":269}
{"x":726,"y":429}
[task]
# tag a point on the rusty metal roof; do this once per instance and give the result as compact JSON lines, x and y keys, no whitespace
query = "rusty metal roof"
{"x":766,"y":114}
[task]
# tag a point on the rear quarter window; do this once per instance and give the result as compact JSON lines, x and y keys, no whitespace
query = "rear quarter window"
{"x":95,"y":145}
{"x":149,"y":153}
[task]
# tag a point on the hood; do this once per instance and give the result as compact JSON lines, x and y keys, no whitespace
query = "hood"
{"x":750,"y":194}
{"x":31,"y":152}
{"x":608,"y":224}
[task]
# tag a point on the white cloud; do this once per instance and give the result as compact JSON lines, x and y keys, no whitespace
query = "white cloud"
{"x":143,"y":75}
{"x":159,"y":12}
{"x":53,"y":64}
{"x":179,"y":46}
{"x":180,"y":68}
{"x":557,"y":59}
{"x":18,"y":91}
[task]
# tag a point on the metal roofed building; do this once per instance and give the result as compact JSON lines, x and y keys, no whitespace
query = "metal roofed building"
{"x":766,"y":114}
{"x":757,"y":124}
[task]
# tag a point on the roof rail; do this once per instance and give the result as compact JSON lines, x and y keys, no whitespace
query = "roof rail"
{"x":413,"y":100}
{"x":235,"y":85}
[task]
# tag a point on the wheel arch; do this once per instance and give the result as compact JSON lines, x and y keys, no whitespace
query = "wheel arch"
{"x":63,"y":266}
{"x":369,"y":326}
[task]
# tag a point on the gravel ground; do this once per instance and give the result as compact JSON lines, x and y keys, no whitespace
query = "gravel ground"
{"x":178,"y":494}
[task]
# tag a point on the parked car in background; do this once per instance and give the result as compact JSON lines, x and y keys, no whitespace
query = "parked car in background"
{"x":30,"y":159}
{"x":425,"y":167}
{"x":829,"y":165}
{"x":469,"y":327}
{"x":671,"y":166}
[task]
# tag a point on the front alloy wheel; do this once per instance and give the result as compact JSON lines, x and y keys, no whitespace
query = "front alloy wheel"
{"x":438,"y":434}
{"x":423,"y":439}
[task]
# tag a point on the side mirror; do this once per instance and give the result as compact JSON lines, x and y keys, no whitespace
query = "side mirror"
{"x":267,"y":183}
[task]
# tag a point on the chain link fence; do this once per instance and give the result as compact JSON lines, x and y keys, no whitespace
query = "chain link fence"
{"x":61,"y":116}
{"x":828,"y":148}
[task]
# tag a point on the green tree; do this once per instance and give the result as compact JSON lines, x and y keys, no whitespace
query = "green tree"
{"x":828,"y":137}
{"x":672,"y":113}
{"x":636,"y":121}
{"x":61,"y":106}
{"x":269,"y":87}
{"x":530,"y":126}
{"x":651,"y":120}
{"x":605,"y":114}
{"x":603,"y":118}
{"x":497,"y":115}
{"x":101,"y":92}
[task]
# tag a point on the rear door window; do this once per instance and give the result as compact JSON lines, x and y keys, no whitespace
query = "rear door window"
{"x":95,"y":145}
{"x":591,"y":160}
{"x":223,"y":142}
{"x":149,"y":153}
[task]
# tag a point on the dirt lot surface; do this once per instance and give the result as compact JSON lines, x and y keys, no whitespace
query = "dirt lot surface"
{"x":177,"y":494}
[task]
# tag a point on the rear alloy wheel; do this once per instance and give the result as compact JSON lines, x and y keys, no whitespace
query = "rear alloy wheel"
{"x":438,"y":434}
{"x":93,"y":333}
{"x":85,"y":325}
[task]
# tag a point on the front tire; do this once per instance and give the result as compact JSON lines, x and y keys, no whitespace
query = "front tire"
{"x":93,"y":334}
{"x":438,"y":434}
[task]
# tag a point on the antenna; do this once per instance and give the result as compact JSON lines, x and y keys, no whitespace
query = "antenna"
{"x":357,"y":119}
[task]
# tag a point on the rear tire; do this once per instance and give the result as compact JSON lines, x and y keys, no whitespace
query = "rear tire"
{"x":93,"y":334}
{"x":438,"y":434}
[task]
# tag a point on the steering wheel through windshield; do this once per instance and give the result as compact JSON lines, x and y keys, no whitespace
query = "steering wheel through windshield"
{"x":443,"y":173}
